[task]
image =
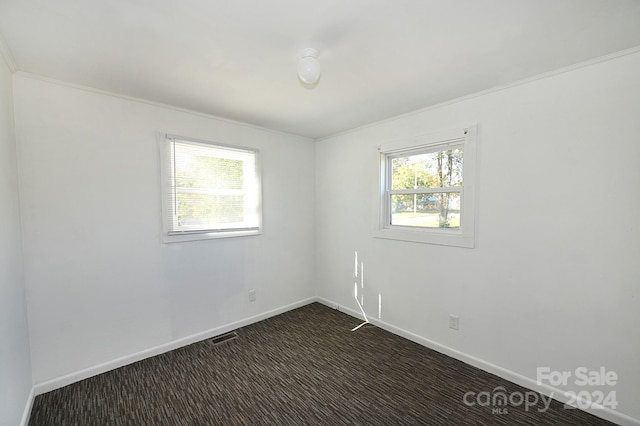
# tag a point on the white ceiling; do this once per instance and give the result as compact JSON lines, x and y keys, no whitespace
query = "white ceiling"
{"x":380,"y":58}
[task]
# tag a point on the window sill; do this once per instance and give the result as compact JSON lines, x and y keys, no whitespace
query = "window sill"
{"x":167,"y":239}
{"x":427,"y":236}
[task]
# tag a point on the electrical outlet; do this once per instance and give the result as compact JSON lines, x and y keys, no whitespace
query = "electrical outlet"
{"x":252,"y":295}
{"x":454,"y":322}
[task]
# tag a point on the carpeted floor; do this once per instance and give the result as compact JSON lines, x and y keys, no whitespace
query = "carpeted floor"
{"x":301,"y":367}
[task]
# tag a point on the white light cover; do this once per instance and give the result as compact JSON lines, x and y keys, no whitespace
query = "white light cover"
{"x":309,"y":67}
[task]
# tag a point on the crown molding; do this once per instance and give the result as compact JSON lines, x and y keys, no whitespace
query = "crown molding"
{"x":527,"y":80}
{"x":156,"y":104}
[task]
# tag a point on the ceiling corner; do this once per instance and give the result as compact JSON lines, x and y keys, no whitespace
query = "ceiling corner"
{"x":6,"y":54}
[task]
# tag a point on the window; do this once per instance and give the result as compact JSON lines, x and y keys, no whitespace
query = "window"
{"x":209,"y":190}
{"x":427,"y":189}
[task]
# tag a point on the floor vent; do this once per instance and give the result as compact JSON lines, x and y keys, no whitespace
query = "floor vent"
{"x":224,"y":338}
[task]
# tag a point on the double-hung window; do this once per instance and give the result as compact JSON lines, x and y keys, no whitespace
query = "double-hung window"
{"x":427,"y":189}
{"x":208,"y":190}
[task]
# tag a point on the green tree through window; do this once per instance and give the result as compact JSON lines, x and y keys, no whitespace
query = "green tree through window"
{"x":438,"y":178}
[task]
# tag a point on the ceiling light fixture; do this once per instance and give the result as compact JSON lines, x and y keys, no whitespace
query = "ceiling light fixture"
{"x":309,"y":67}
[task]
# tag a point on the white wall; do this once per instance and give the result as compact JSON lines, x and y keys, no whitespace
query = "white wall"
{"x":554,"y":280}
{"x":100,"y":284}
{"x":15,"y":362}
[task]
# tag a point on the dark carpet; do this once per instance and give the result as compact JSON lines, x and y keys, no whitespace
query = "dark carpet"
{"x":302,"y":367}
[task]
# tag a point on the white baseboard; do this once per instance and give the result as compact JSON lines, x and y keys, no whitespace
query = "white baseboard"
{"x":68,"y":379}
{"x":512,"y":376}
{"x":527,"y":382}
{"x":26,"y":414}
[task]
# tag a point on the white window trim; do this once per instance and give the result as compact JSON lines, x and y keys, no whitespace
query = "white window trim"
{"x":463,"y":237}
{"x":166,"y":235}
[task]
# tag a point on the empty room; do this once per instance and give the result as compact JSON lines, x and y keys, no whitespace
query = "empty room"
{"x":287,"y":212}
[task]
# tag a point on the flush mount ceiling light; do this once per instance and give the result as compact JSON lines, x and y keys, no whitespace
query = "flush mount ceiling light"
{"x":309,"y":67}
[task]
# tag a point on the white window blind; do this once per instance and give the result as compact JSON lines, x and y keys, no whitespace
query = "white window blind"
{"x":209,"y":189}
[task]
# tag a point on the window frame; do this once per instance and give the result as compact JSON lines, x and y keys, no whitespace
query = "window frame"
{"x":167,"y":176}
{"x":464,"y":236}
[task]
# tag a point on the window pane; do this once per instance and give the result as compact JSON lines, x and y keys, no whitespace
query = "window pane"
{"x":201,"y":171}
{"x":207,"y":211}
{"x":439,"y":169}
{"x":437,"y":210}
{"x":212,"y":188}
